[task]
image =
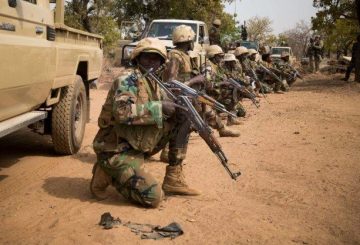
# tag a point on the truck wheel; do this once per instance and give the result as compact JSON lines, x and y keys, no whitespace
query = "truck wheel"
{"x":69,"y":118}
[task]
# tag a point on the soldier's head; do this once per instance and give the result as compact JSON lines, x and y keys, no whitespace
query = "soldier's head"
{"x":149,"y":53}
{"x":241,"y":53}
{"x":252,"y":54}
{"x":230,"y":60}
{"x":183,"y":37}
{"x":285,"y":56}
{"x":316,"y":37}
{"x":217,"y":23}
{"x":215,"y":53}
{"x":266,"y":57}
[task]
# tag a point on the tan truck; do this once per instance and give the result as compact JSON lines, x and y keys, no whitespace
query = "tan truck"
{"x":45,"y":71}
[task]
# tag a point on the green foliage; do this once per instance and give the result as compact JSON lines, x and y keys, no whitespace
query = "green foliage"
{"x":336,"y":20}
{"x":95,"y":17}
{"x":105,"y":16}
{"x":342,"y":36}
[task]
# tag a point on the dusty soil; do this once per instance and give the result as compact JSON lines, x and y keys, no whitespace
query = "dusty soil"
{"x":300,"y":161}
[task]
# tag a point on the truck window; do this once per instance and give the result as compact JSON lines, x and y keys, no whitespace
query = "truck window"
{"x":163,"y":30}
{"x":30,"y":1}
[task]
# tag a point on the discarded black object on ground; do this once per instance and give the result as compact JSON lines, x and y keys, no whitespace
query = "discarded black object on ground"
{"x":146,"y":231}
{"x":108,"y":221}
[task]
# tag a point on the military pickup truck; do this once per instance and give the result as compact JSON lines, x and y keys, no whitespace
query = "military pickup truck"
{"x":276,"y":52}
{"x":45,"y":68}
{"x":162,"y":29}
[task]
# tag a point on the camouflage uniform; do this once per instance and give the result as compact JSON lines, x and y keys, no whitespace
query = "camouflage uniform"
{"x":286,"y":71}
{"x":264,"y":86}
{"x":214,"y":36}
{"x":131,"y":124}
{"x":229,"y":96}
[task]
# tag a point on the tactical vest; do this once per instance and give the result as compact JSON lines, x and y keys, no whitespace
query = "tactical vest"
{"x":115,"y":138}
{"x":185,"y":68}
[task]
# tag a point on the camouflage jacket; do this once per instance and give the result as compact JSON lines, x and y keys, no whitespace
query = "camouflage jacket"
{"x":131,"y":116}
{"x":235,"y":73}
{"x":214,"y":36}
{"x":284,"y":67}
{"x":179,"y":66}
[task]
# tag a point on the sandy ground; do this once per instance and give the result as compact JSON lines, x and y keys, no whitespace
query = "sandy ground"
{"x":300,"y":161}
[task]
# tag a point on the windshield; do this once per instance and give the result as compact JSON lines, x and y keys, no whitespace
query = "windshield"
{"x":279,"y":50}
{"x":163,"y":30}
{"x":250,"y":45}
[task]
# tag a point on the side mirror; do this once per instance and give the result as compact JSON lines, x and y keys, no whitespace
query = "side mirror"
{"x":12,"y":3}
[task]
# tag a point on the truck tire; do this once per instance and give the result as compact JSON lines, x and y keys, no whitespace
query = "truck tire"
{"x":69,"y":118}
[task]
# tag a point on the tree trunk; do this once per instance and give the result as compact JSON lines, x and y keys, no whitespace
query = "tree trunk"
{"x":357,"y":65}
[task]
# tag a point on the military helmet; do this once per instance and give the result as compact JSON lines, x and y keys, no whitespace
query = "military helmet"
{"x":252,"y":51}
{"x":217,"y":22}
{"x":214,"y":50}
{"x":149,"y":45}
{"x":241,"y":50}
{"x":182,"y":33}
{"x":229,"y":57}
{"x":285,"y":54}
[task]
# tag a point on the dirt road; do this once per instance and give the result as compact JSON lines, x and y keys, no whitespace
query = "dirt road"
{"x":300,"y":184}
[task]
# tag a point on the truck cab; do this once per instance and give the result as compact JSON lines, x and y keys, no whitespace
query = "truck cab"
{"x":45,"y":68}
{"x":162,"y":29}
{"x":277,"y":51}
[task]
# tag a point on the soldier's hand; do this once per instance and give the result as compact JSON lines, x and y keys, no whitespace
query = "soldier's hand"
{"x":168,"y":108}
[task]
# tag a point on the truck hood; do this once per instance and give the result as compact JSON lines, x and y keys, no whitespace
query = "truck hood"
{"x":167,"y":43}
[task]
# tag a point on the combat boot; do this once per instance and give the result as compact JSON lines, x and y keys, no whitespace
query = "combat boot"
{"x":99,"y":182}
{"x":225,"y":132}
{"x":174,"y":182}
{"x":233,"y":121}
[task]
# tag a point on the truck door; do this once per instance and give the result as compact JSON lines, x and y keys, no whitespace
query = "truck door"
{"x":27,"y":63}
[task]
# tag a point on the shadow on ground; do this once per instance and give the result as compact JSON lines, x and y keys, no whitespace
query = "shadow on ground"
{"x":320,"y":85}
{"x":24,"y":143}
{"x":79,"y":188}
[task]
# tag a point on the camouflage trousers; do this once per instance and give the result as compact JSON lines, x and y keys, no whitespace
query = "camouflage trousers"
{"x":130,"y":179}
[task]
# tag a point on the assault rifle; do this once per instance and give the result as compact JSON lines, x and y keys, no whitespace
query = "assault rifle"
{"x":197,"y":95}
{"x":242,"y":88}
{"x":256,"y":78}
{"x":270,"y":73}
{"x":197,"y":122}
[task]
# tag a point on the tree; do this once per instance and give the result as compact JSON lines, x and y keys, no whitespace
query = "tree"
{"x":298,"y":37}
{"x":339,"y":21}
{"x":258,"y":28}
{"x":93,"y":16}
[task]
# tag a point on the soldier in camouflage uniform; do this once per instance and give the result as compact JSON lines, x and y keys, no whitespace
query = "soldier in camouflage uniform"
{"x":277,"y":85}
{"x":232,"y":69}
{"x":134,"y":121}
{"x":180,"y":68}
{"x":286,"y":71}
{"x":315,"y":53}
{"x":214,"y":33}
{"x":254,"y":64}
{"x":220,"y":89}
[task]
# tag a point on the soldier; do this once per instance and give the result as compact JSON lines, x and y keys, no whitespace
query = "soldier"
{"x":254,"y":64}
{"x":315,"y":53}
{"x":286,"y":71}
{"x":232,"y":69}
{"x":179,"y":68}
{"x":278,"y":85}
{"x":214,"y":33}
{"x":133,"y":122}
{"x":353,"y":59}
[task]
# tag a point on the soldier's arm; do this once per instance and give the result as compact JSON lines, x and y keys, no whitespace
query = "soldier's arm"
{"x":128,"y":109}
{"x":172,"y":68}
